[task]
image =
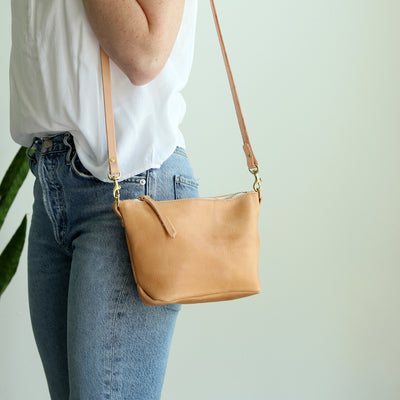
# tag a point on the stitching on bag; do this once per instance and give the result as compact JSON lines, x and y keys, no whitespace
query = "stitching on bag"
{"x":202,"y":296}
{"x":191,"y":199}
{"x":203,"y":199}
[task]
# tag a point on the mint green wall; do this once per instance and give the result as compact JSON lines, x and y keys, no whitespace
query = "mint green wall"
{"x":319,"y":83}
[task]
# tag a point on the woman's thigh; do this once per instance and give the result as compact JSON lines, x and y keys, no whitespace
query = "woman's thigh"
{"x":48,"y":277}
{"x":97,"y":340}
{"x":117,"y":346}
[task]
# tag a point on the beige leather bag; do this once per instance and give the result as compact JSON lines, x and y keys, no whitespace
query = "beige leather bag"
{"x":190,"y":250}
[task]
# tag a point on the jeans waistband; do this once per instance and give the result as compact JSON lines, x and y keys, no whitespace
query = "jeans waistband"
{"x":60,"y":143}
{"x":52,"y":144}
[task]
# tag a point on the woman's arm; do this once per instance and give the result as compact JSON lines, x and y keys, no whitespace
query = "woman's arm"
{"x":138,"y":35}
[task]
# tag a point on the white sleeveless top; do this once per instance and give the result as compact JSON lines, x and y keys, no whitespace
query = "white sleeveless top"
{"x":56,"y":86}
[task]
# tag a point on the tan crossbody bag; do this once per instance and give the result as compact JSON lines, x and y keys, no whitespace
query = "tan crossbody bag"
{"x":190,"y":250}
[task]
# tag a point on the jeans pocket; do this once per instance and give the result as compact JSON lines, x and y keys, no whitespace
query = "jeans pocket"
{"x":180,"y":151}
{"x":134,"y":186}
{"x":185,"y":187}
{"x":78,"y":168}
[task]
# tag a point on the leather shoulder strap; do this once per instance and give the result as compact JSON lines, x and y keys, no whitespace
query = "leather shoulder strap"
{"x":108,"y":108}
{"x":251,"y":159}
{"x":109,"y":114}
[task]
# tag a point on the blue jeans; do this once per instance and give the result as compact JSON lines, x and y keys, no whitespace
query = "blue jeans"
{"x":96,"y":339}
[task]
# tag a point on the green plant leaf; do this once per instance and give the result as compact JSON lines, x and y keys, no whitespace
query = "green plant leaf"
{"x":10,"y":256}
{"x":12,"y":181}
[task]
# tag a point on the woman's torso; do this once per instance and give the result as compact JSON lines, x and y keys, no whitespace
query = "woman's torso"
{"x":55,"y":86}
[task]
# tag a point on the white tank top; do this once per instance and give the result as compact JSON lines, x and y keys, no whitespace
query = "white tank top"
{"x":56,"y":86}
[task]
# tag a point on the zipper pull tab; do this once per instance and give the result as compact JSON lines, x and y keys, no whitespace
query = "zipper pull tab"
{"x":166,"y":223}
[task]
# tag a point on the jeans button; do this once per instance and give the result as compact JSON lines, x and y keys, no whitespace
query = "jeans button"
{"x":47,"y":143}
{"x":142,"y":182}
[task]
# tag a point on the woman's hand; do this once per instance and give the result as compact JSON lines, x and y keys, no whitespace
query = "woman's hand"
{"x":138,"y":35}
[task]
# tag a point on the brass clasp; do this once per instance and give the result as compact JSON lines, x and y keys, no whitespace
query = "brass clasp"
{"x":117,"y":188}
{"x":257,"y":181}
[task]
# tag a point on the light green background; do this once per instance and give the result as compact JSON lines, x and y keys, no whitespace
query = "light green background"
{"x":319,"y":83}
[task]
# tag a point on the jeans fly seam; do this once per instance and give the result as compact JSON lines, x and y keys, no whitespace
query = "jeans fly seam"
{"x":113,"y":333}
{"x":46,"y":201}
{"x":59,"y":234}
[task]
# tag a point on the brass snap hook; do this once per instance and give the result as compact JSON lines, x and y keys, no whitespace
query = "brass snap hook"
{"x":116,"y":188}
{"x":257,"y":181}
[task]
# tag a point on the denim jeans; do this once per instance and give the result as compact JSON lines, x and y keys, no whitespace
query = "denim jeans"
{"x":96,"y":339}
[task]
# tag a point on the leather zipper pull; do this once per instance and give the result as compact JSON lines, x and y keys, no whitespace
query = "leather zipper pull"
{"x":166,"y":223}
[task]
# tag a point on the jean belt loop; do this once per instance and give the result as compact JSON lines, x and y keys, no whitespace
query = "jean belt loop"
{"x":31,"y":150}
{"x":70,"y":153}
